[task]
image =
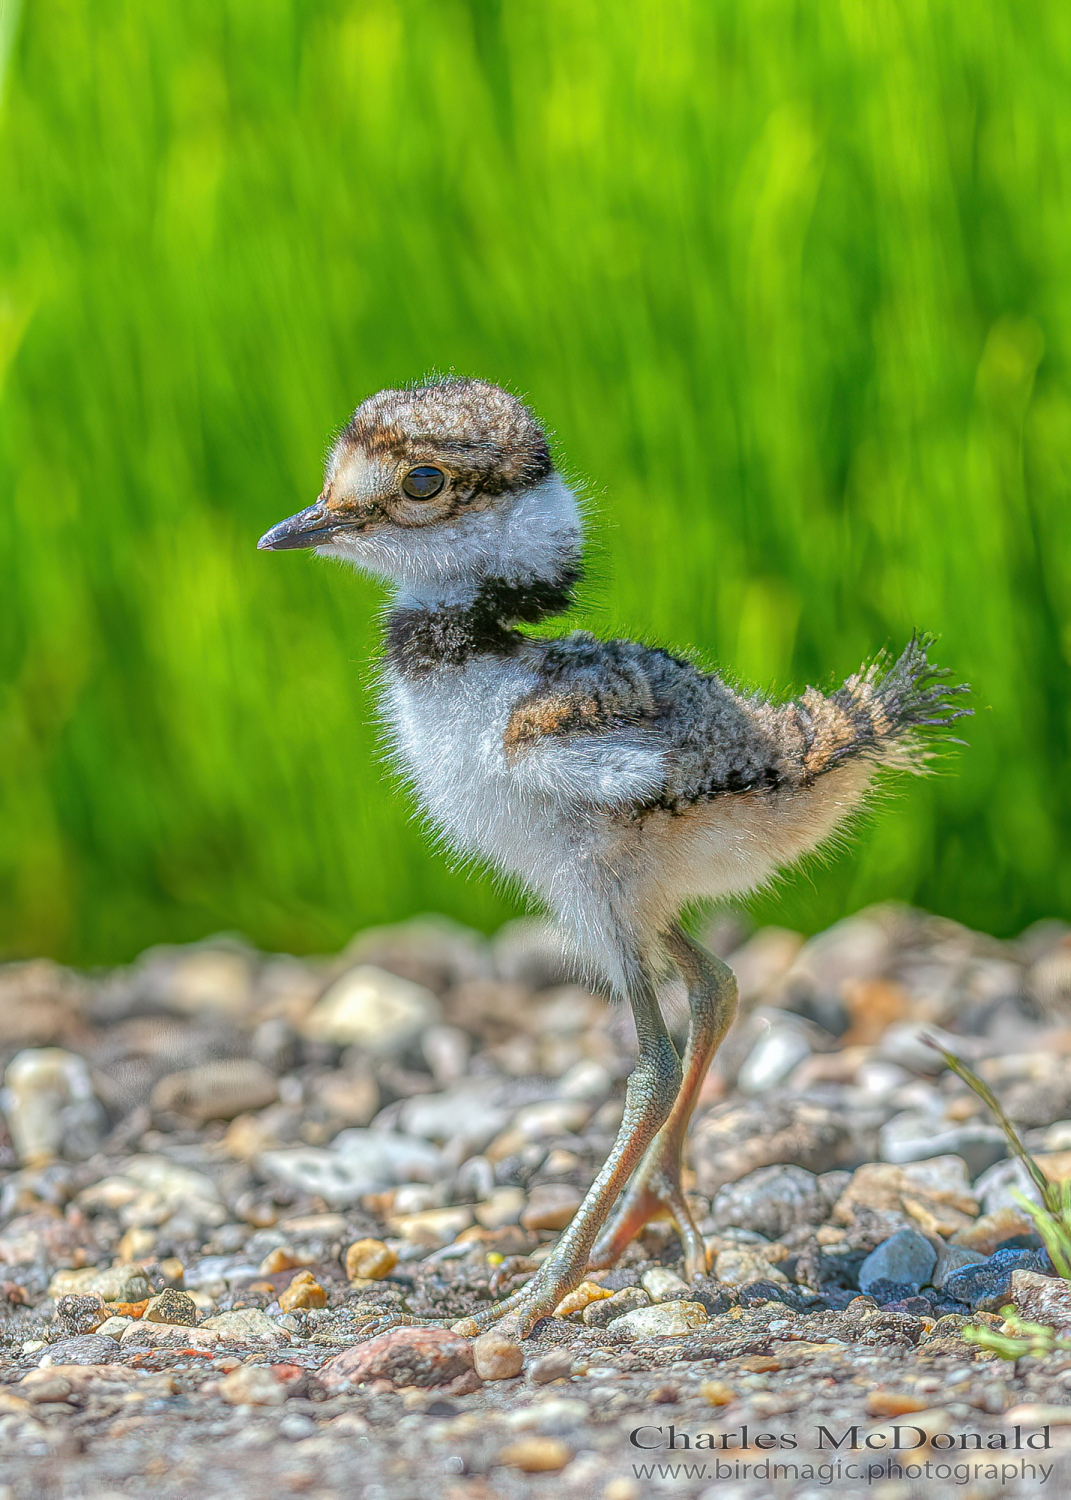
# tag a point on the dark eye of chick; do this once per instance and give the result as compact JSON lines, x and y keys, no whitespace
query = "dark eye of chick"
{"x":424,"y":482}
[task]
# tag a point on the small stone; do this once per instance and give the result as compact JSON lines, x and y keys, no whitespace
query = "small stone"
{"x":661,"y":1321}
{"x":246,"y":1325}
{"x":779,"y":1050}
{"x":953,"y":1258}
{"x":552,"y":1117}
{"x":1042,"y":1299}
{"x":988,"y":1286}
{"x":215,"y":1091}
{"x":81,"y":1314}
{"x":373,"y":1009}
{"x":283,"y":1258}
{"x":772,"y":1201}
{"x":990,"y":1231}
{"x":88,"y":1349}
{"x":557,"y":1365}
{"x":303,"y":1291}
{"x":114,"y":1328}
{"x":628,"y":1299}
{"x":716,"y":1392}
{"x":45,"y":1236}
{"x":580,"y":1297}
{"x":50,"y":1106}
{"x":113,"y":1284}
{"x":536,"y":1455}
{"x":369,"y":1260}
{"x":551,"y":1205}
{"x":906,"y":1258}
{"x":737,"y":1265}
{"x":252,"y":1385}
{"x":504,"y":1206}
{"x":739,"y":1136}
{"x":914,"y":1136}
{"x":406,"y":1356}
{"x":664,"y":1285}
{"x":359,"y":1162}
{"x":882,"y":1403}
{"x":171,"y":1306}
{"x":496,"y":1357}
{"x":434,"y":1227}
{"x":140,"y":1334}
{"x":1038,"y":1414}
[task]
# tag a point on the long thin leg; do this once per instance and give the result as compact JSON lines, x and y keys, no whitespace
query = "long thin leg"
{"x":655,"y":1190}
{"x":649,"y":1097}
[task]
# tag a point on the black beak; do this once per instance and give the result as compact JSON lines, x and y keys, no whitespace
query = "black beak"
{"x":306,"y":529}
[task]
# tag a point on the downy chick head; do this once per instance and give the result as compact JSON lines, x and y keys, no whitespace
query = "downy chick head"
{"x":440,"y":483}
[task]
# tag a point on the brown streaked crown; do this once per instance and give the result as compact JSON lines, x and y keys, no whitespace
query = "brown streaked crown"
{"x":489,"y":440}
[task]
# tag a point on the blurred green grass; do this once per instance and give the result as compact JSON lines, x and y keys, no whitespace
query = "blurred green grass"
{"x":789,"y":281}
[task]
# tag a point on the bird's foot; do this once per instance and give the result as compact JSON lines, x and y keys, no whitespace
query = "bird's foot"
{"x":518,"y":1313}
{"x":654,"y":1193}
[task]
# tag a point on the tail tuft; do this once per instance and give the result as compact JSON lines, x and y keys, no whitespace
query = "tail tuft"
{"x":885,"y":714}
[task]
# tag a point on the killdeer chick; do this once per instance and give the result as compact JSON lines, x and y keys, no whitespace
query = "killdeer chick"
{"x":616,"y":781}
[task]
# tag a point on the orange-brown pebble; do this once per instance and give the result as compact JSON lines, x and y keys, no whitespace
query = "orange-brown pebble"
{"x":369,"y":1260}
{"x":128,"y":1309}
{"x":282,"y":1258}
{"x":581,"y":1297}
{"x":536,"y":1455}
{"x":881,"y":1403}
{"x":303,"y":1291}
{"x":717,"y":1393}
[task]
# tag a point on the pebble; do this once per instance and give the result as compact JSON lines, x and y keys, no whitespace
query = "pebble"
{"x":536,"y":1455}
{"x":369,"y":1260}
{"x":738,"y":1265}
{"x":628,"y":1299}
{"x":114,"y":1327}
{"x":373,"y":1009}
{"x":215,"y":1091}
{"x":50,"y":1106}
{"x":303,"y":1291}
{"x":465,"y":1112}
{"x":434,"y":1227}
{"x":551,"y":1205}
{"x":557,"y":1365}
{"x":778,"y":1051}
{"x":914,"y":1136}
{"x":582,"y":1296}
{"x":113,"y":1284}
{"x":246,"y":1325}
{"x":988,"y":1232}
{"x":407,"y":1356}
{"x":953,"y":1258}
{"x":81,"y":1314}
{"x":504,"y":1206}
{"x":716,"y":1392}
{"x":997,"y":1187}
{"x":906,"y":1258}
{"x":252,"y":1385}
{"x":660,"y":1321}
{"x":552,"y":1117}
{"x":988,"y":1286}
{"x":740,"y":1136}
{"x":496,"y":1357}
{"x":171,"y":1306}
{"x":772,"y":1201}
{"x":663,"y":1285}
{"x":883,"y":1403}
{"x":1042,"y":1299}
{"x":87,"y":1349}
{"x":359,"y":1162}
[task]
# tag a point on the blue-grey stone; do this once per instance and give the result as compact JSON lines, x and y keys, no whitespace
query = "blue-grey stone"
{"x":987,"y":1287}
{"x":907,"y":1258}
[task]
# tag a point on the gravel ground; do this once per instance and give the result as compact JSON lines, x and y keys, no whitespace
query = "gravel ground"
{"x":238,"y":1191}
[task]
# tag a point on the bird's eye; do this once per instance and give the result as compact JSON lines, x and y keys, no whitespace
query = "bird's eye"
{"x":423,"y":483}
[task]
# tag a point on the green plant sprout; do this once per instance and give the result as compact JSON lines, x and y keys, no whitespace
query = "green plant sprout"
{"x":1051,"y":1218}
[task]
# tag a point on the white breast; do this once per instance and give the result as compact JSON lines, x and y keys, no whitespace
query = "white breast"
{"x":448,"y":729}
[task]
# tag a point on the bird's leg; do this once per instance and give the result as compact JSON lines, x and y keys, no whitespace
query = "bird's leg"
{"x":649,"y":1096}
{"x":655,"y":1191}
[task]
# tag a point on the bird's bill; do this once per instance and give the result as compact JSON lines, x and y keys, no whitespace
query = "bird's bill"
{"x":308,"y":528}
